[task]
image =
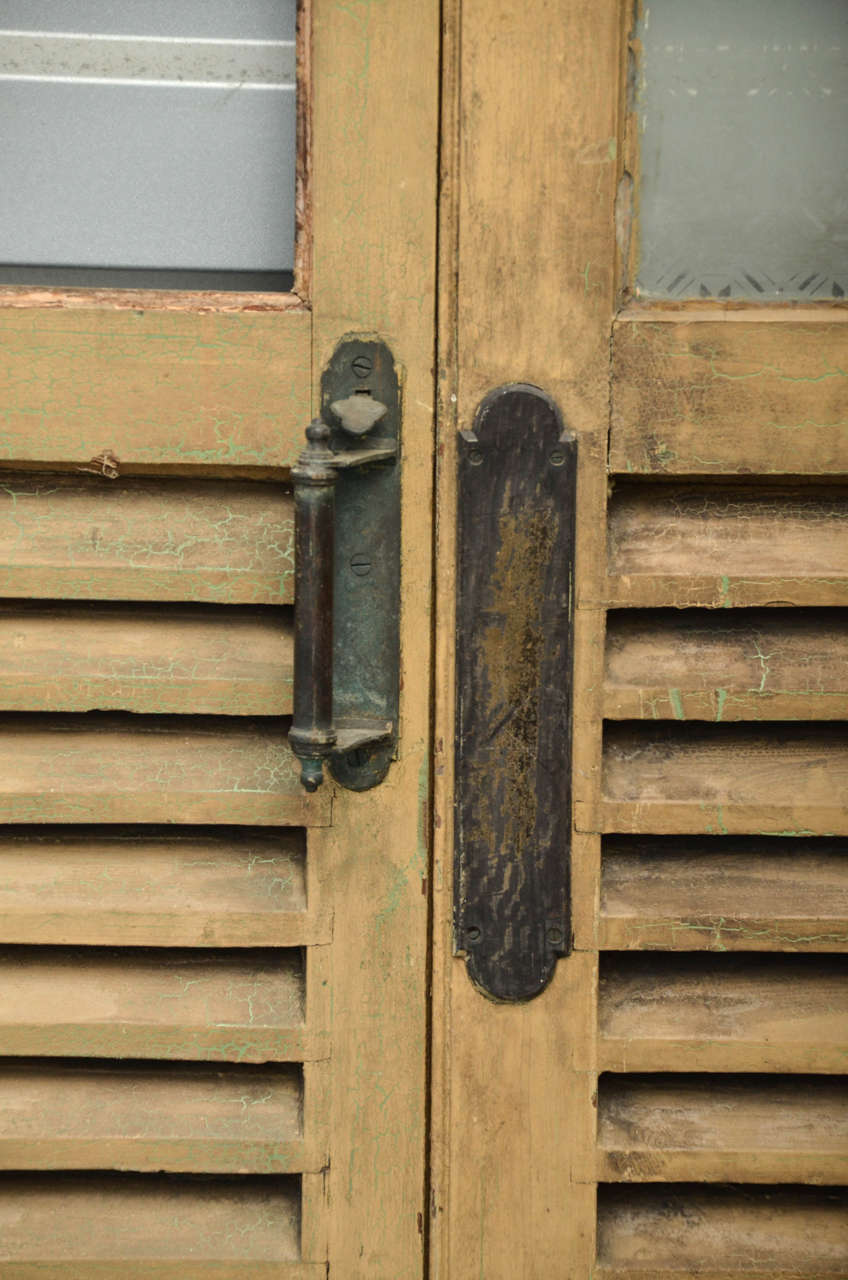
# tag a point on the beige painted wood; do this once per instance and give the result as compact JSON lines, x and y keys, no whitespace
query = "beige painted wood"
{"x":375,"y":172}
{"x":727,"y":547}
{"x":670,"y":1013}
{"x":723,"y":780}
{"x":203,"y":660}
{"x":721,"y":1234}
{"x":727,"y":666}
{"x":117,"y":769}
{"x":697,"y":396}
{"x":191,"y":1119}
{"x":78,"y":537}
{"x":674,"y":894}
{"x":180,"y":380}
{"x":530,"y":125}
{"x":235,"y":889}
{"x":217,"y":1005}
{"x":218,"y":1228}
{"x":708,"y":1129}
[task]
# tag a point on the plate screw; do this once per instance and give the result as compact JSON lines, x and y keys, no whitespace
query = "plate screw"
{"x":361,"y":366}
{"x":475,"y":457}
{"x":555,"y":936}
{"x":360,"y":564}
{"x":472,"y":935}
{"x":557,"y":458}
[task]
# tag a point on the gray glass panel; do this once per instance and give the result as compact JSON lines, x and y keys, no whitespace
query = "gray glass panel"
{"x":742,"y":109}
{"x":147,"y":135}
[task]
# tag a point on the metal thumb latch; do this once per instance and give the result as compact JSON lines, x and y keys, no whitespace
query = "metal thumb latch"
{"x":347,"y":573}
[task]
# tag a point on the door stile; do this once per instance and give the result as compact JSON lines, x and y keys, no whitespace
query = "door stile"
{"x":527,"y":293}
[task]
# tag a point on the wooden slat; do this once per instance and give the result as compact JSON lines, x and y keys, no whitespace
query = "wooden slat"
{"x":204,"y":660}
{"x":86,"y":538}
{"x":152,"y":385}
{"x":725,"y":779}
{"x":129,"y":1225}
{"x":216,"y":1005}
{"x":727,"y":666}
{"x":707,"y":396}
{"x":175,"y":1118}
{"x":724,"y":894}
{"x":119,"y":769}
{"x":668,"y":1129}
{"x":683,"y":546}
{"x":237,"y":888}
{"x":690,"y":1013}
{"x":721,"y":1234}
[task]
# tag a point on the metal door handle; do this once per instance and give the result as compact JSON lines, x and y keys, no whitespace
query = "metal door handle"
{"x":347,"y":573}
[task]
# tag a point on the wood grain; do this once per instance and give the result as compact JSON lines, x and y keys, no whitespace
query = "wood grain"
{"x":700,"y":396}
{"x":244,"y":1006}
{"x":732,"y":1013}
{"x":145,"y":1225}
{"x":226,"y":888}
{"x":82,"y":538}
{"x":684,"y":546}
{"x":723,"y":894}
{"x":724,"y":779}
{"x":198,"y":387}
{"x":116,"y":769}
{"x":727,"y":666}
{"x":732,"y":1129}
{"x":158,"y":659}
{"x":176,"y":1117}
{"x":721,"y":1234}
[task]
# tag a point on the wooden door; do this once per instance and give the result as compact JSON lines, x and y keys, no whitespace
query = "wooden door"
{"x":213,"y":1016}
{"x":672,"y":1105}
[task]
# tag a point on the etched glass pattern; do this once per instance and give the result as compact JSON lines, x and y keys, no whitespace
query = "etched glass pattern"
{"x":742,"y":111}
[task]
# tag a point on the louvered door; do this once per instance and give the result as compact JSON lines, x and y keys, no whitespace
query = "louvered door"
{"x":674,"y":1104}
{"x":212,"y":1021}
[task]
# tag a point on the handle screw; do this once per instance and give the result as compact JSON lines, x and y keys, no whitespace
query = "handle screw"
{"x":361,"y":366}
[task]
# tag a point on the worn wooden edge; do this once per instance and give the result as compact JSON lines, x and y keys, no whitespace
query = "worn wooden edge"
{"x":227,"y":1043}
{"x":778,"y":816}
{"x":191,"y":1155}
{"x":818,"y":1168}
{"x":717,"y":1055}
{"x":701,"y":932}
{"x":652,"y":1272}
{"x":657,"y":702}
{"x":734,"y":311}
{"x":710,"y":591}
{"x":162,"y":1269}
{"x":86,"y":927}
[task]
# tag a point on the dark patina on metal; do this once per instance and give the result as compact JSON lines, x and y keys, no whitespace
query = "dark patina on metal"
{"x":347,"y":573}
{"x":517,"y":479}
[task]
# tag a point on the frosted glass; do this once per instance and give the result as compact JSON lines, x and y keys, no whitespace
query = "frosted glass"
{"x":742,"y":110}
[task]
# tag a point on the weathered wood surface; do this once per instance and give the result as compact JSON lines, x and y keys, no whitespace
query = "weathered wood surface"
{"x":245,"y":1006}
{"x":722,"y":1129}
{"x":727,"y":666}
{"x":723,"y":894}
{"x":99,"y":1226}
{"x":113,"y":768}
{"x":203,"y":660}
{"x":723,"y":779}
{"x":152,"y":385}
{"x":683,"y":546}
{"x":176,"y":1118}
{"x":82,"y":538}
{"x":236,"y":888}
{"x":692,"y":396}
{"x":659,"y":1233}
{"x":734,"y":1013}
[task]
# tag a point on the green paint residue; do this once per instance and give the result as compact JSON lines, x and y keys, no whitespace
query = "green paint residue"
{"x":725,"y":592}
{"x":721,"y":698}
{"x":676,"y":704}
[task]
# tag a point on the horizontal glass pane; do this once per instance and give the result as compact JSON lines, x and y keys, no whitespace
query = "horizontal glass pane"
{"x":742,"y":109}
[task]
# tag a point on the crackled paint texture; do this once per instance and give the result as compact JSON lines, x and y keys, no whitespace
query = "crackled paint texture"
{"x":718,"y":397}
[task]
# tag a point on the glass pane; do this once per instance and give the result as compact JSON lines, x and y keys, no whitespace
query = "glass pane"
{"x":155,"y":136}
{"x":742,"y":109}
